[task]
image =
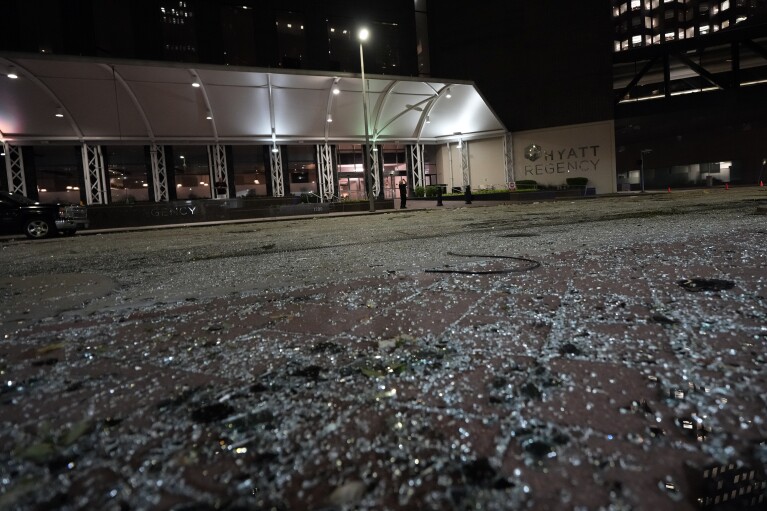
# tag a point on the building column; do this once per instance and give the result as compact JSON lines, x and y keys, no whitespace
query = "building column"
{"x":219,"y":175}
{"x":159,"y":173}
{"x":325,"y":172}
{"x":96,"y":183}
{"x":14,"y":167}
{"x":278,"y":180}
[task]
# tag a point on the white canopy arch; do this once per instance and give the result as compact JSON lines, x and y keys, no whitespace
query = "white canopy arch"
{"x":132,"y":102}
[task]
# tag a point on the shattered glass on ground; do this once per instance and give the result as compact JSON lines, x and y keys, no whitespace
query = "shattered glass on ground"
{"x":319,"y":365}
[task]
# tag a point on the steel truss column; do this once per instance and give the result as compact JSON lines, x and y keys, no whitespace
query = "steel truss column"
{"x":465,"y":164}
{"x":374,"y":170}
{"x":508,"y":161}
{"x":14,"y":166}
{"x":278,"y":183}
{"x":159,"y":173}
{"x":416,"y":156}
{"x":325,"y":162}
{"x":218,"y":170}
{"x":96,"y":182}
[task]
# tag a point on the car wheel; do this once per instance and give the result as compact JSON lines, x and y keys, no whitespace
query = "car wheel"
{"x":37,"y":228}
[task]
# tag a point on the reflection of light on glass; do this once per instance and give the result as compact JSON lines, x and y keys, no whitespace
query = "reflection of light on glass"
{"x":256,"y":181}
{"x":145,"y":185}
{"x":43,"y":189}
{"x":178,"y":186}
{"x":69,"y":187}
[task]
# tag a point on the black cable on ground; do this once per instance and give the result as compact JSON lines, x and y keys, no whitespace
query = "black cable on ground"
{"x":532,"y":264}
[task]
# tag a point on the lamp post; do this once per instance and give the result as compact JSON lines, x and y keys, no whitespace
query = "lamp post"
{"x":641,"y":168}
{"x":363,"y":36}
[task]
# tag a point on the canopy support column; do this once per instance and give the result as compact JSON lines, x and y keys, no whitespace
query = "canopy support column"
{"x":374,"y":170}
{"x":159,"y":173}
{"x":219,"y":174}
{"x":418,"y":167}
{"x":96,"y":183}
{"x":14,"y":167}
{"x":278,"y":183}
{"x":464,"y":148}
{"x":326,"y":178}
{"x":508,"y":161}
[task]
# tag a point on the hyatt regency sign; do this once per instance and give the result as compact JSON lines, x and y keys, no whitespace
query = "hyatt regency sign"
{"x":550,"y":156}
{"x":560,"y":161}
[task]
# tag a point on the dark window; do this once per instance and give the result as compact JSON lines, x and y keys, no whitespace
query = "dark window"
{"x":301,"y":167}
{"x":127,"y":170}
{"x":239,"y":35}
{"x":343,"y":46}
{"x":291,"y":40}
{"x":250,"y":170}
{"x":57,"y":174}
{"x":192,"y":172}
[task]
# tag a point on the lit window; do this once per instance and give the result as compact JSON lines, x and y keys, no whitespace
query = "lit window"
{"x":715,"y":28}
{"x":625,"y":44}
{"x":704,"y":29}
{"x":669,"y":36}
{"x":636,"y":5}
{"x":636,"y":40}
{"x":624,"y":8}
{"x":617,"y":46}
{"x":740,"y":18}
{"x":690,"y":32}
{"x":725,"y":5}
{"x":616,"y":12}
{"x":725,"y":24}
{"x":681,"y":33}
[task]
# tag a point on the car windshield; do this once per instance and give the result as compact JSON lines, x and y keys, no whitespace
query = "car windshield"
{"x":17,"y":198}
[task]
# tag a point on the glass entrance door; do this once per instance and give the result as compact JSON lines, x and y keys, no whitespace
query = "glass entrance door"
{"x":351,"y":186}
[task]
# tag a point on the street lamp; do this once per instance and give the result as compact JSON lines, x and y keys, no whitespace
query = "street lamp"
{"x":641,"y":168}
{"x":363,"y":36}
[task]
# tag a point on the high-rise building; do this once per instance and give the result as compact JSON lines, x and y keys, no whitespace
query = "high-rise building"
{"x":689,"y":79}
{"x":646,"y":22}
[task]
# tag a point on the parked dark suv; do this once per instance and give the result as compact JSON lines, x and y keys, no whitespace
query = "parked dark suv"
{"x":19,"y":214}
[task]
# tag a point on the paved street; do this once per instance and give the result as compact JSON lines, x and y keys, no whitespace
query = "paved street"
{"x":591,"y":354}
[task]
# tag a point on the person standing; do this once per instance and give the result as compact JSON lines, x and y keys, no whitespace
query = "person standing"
{"x":402,"y":194}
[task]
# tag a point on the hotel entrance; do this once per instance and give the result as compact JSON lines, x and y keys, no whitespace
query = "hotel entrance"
{"x":351,"y":186}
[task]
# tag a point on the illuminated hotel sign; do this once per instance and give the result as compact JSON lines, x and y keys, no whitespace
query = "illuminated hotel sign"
{"x":560,"y":160}
{"x":549,"y":156}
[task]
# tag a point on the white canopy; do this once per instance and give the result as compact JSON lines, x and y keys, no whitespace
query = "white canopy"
{"x":130,"y":102}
